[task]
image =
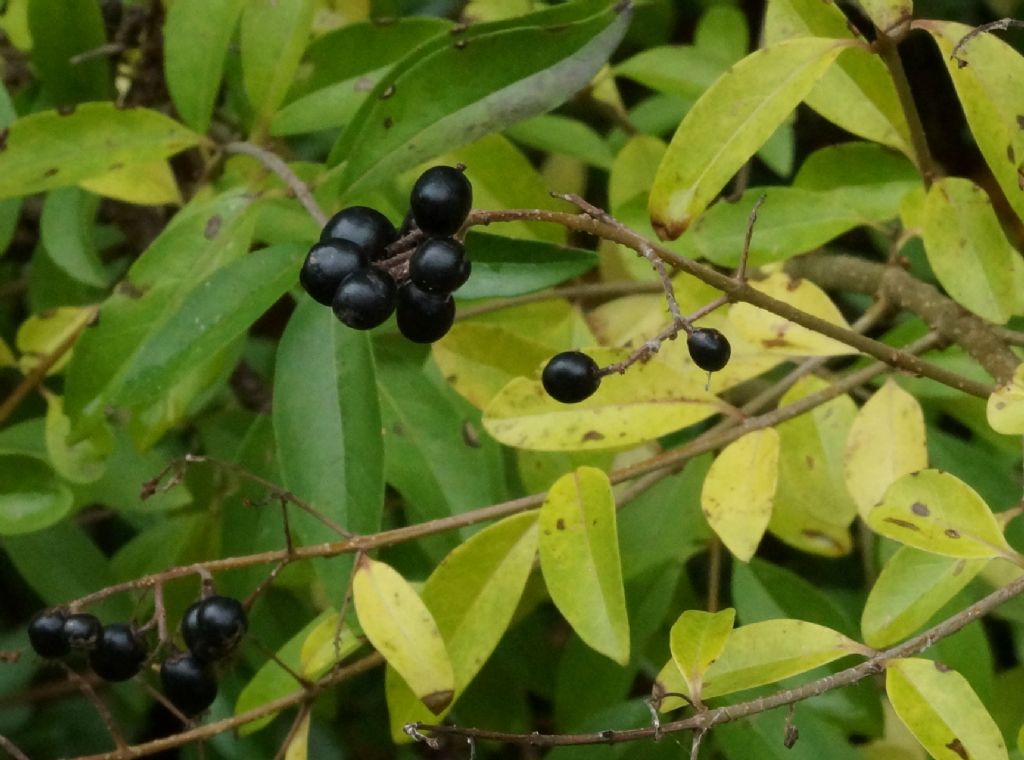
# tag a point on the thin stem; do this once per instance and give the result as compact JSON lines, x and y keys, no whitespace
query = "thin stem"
{"x":588,"y":290}
{"x":273,"y":163}
{"x":12,"y":749}
{"x":101,"y":708}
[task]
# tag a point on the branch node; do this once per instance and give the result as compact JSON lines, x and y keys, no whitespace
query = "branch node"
{"x":413,"y":732}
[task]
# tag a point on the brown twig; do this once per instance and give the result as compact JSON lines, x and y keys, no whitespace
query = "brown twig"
{"x":273,"y":163}
{"x":101,"y":708}
{"x":1001,"y":25}
{"x":12,"y":749}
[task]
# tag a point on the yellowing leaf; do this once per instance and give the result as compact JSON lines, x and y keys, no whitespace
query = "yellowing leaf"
{"x":779,"y":336}
{"x":739,"y":489}
{"x":761,"y":653}
{"x":969,"y":252}
{"x":941,"y":709}
{"x":1005,"y":409}
{"x":41,"y":334}
{"x":886,"y":441}
{"x":731,"y":120}
{"x":83,"y":461}
{"x":298,"y":747}
{"x":648,"y":401}
{"x":579,"y":556}
{"x":147,"y":184}
{"x":472,"y":594}
{"x":326,"y":646}
{"x":400,"y":626}
{"x":911,"y":588}
{"x":812,"y":509}
{"x":697,"y":640}
{"x":886,"y":14}
{"x":936,"y":512}
{"x":6,"y":355}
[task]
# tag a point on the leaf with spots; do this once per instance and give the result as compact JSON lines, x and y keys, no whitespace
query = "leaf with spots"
{"x":942,"y":711}
{"x":472,"y":595}
{"x":47,"y":149}
{"x":937,"y":512}
{"x":738,"y":508}
{"x":968,"y":250}
{"x":759,"y":654}
{"x":401,"y":628}
{"x":886,"y":441}
{"x":1005,"y":409}
{"x":697,"y":640}
{"x":579,"y":556}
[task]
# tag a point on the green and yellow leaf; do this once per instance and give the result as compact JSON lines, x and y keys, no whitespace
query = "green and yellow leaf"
{"x":697,"y":640}
{"x":1005,"y":408}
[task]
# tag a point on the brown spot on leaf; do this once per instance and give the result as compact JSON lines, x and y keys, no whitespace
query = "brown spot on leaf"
{"x":560,"y":524}
{"x":592,"y":435}
{"x":959,"y":567}
{"x":51,"y":172}
{"x":793,"y":284}
{"x":116,"y":165}
{"x":130,"y":290}
{"x":942,"y":667}
{"x":397,"y":429}
{"x":1020,"y":122}
{"x":957,"y":747}
{"x":388,"y":122}
{"x":469,"y":435}
{"x":438,"y":700}
{"x":809,"y":461}
{"x":3,"y":138}
{"x":213,"y":225}
{"x":952,"y":533}
{"x":901,"y":523}
{"x":1011,"y":154}
{"x":920,"y":509}
{"x":778,"y":342}
{"x":66,"y":109}
{"x":1000,"y":405}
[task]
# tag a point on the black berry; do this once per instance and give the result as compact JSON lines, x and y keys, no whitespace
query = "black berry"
{"x":365,"y":299}
{"x":424,"y":317}
{"x":119,"y":653}
{"x":570,"y":377}
{"x":440,"y":200}
{"x":327,"y":264}
{"x":188,"y":683}
{"x":439,"y":265}
{"x":220,"y":623}
{"x":46,"y":634}
{"x":364,"y":226}
{"x":82,"y":630}
{"x":709,"y":349}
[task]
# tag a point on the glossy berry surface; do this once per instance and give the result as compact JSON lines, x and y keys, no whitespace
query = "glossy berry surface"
{"x":188,"y":683}
{"x":220,"y":623}
{"x":709,"y":349}
{"x":570,"y":377}
{"x":439,"y":265}
{"x":365,"y":299}
{"x":364,"y":226}
{"x":424,"y":317}
{"x":82,"y":630}
{"x":440,"y":200}
{"x":190,"y":626}
{"x":46,"y":634}
{"x":327,"y":264}
{"x":119,"y":653}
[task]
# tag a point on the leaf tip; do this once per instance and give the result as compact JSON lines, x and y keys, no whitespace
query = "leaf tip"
{"x":667,"y":229}
{"x":437,"y":701}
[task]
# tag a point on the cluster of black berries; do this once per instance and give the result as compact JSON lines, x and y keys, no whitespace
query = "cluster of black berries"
{"x":211,"y":628}
{"x":572,"y":376}
{"x":349,"y":269}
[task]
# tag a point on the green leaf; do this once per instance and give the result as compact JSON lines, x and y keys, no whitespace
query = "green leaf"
{"x":504,"y":266}
{"x":31,"y":496}
{"x":273,"y":38}
{"x":732,"y":119}
{"x":886,"y":441}
{"x":697,"y":640}
{"x":722,"y":31}
{"x":564,"y":135}
{"x":61,"y":29}
{"x":84,"y":461}
{"x":991,"y":91}
{"x":633,"y":170}
{"x":327,"y":426}
{"x":857,"y":93}
{"x":211,"y":316}
{"x":1005,"y":407}
{"x":968,"y":250}
{"x":739,"y":508}
{"x":759,"y":654}
{"x":912,"y":587}
{"x":66,"y":229}
{"x":682,"y":70}
{"x":48,"y":150}
{"x":936,"y":512}
{"x":941,"y":709}
{"x":399,"y":625}
{"x":196,"y":38}
{"x":326,"y":645}
{"x":472,"y":595}
{"x":408,"y":120}
{"x":579,"y":556}
{"x":147,"y":184}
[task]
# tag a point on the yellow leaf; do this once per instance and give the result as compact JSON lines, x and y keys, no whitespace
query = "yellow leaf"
{"x":146,"y":184}
{"x":739,"y":489}
{"x":326,"y":646}
{"x":400,"y":626}
{"x":697,"y":640}
{"x":886,"y":14}
{"x":298,"y":747}
{"x":1005,"y":409}
{"x":41,"y":334}
{"x":886,"y":441}
{"x":579,"y":557}
{"x":780,"y":337}
{"x":6,"y":355}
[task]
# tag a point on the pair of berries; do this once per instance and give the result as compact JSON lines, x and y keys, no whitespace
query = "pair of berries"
{"x":349,"y":271}
{"x":572,"y":376}
{"x":115,"y":651}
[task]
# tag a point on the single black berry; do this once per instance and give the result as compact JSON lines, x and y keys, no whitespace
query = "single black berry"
{"x":570,"y":377}
{"x":327,"y":264}
{"x":440,"y":200}
{"x":221,"y":623}
{"x":365,"y":299}
{"x":46,"y":634}
{"x":82,"y":630}
{"x":188,"y":683}
{"x":424,"y":317}
{"x":439,"y":265}
{"x":119,"y":653}
{"x":709,"y":349}
{"x":364,"y":226}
